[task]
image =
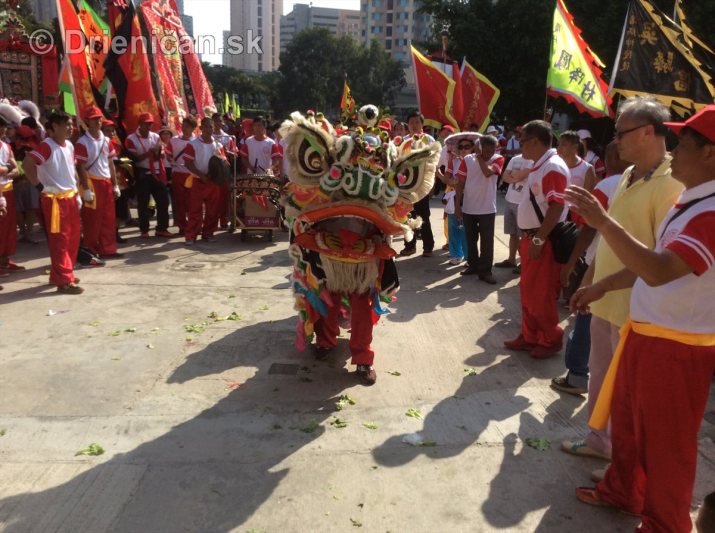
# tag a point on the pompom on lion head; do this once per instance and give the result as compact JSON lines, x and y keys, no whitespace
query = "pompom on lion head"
{"x":359,"y":181}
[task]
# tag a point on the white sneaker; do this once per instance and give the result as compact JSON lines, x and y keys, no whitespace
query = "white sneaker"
{"x":189,"y":242}
{"x":456,"y":261}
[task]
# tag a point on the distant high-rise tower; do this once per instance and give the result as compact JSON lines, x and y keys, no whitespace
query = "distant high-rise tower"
{"x":338,"y":21}
{"x":394,"y":23}
{"x":252,"y":19}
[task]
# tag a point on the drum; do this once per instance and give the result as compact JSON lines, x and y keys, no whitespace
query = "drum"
{"x":219,"y":170}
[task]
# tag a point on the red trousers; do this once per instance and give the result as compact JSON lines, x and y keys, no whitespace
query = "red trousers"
{"x":660,"y":394}
{"x":327,"y":329}
{"x":65,"y":244}
{"x":99,"y":222}
{"x":180,"y":195}
{"x":539,"y":289}
{"x":203,"y":210}
{"x":8,"y":227}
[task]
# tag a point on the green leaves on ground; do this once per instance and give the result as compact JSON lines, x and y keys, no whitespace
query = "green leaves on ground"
{"x":414,"y":413}
{"x":233,"y":316}
{"x":343,"y":402}
{"x":394,"y":373}
{"x":339,"y":423}
{"x":196,"y":328}
{"x":130,"y":330}
{"x":369,"y":425}
{"x":92,"y":449}
{"x":311,"y":427}
{"x":539,"y":444}
{"x":470,"y":371}
{"x":355,"y":523}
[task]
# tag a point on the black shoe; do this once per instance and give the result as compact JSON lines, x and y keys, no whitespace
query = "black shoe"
{"x":469,"y":271}
{"x":488,"y":278}
{"x":408,"y":251}
{"x":121,"y":240}
{"x":321,"y":354}
{"x":517,"y":271}
{"x":367,"y":374}
{"x":505,"y":264}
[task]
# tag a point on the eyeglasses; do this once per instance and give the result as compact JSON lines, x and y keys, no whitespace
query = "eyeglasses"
{"x":465,"y":146}
{"x":619,"y":134}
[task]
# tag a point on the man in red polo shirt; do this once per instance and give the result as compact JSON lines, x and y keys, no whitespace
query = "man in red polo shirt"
{"x":541,"y":334}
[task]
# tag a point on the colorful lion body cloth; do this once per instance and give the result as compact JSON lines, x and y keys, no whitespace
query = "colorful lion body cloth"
{"x":349,"y":194}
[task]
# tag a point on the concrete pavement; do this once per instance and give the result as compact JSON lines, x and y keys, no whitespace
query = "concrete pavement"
{"x":213,"y":425}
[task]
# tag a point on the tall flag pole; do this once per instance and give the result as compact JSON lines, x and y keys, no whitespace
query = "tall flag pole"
{"x":574,"y":70}
{"x":435,"y":91}
{"x":653,"y":59}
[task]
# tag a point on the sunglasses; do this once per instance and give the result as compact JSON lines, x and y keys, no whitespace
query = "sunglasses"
{"x":465,"y":146}
{"x":620,"y":134}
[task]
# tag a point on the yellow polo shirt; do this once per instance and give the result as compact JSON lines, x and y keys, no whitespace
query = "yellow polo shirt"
{"x":640,"y":209}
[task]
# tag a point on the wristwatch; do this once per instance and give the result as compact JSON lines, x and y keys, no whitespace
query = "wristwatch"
{"x":537,"y":241}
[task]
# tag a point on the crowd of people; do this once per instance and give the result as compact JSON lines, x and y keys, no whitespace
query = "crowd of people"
{"x":640,"y":276}
{"x":79,"y":183}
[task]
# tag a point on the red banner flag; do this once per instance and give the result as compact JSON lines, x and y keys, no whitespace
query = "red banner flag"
{"x":128,"y":70}
{"x":435,"y":92}
{"x":164,"y":27}
{"x":97,"y":33}
{"x":199,"y":99}
{"x":479,"y":96}
{"x":75,"y":45}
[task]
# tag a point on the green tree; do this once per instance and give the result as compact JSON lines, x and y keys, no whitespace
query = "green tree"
{"x":313,"y":67}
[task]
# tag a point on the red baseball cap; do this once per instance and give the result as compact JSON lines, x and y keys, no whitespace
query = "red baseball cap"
{"x":447,"y":127}
{"x":703,"y":122}
{"x":146,"y":117}
{"x":93,"y":112}
{"x":107,"y":122}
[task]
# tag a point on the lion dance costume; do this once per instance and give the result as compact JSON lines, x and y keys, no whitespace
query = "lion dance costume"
{"x":349,"y":193}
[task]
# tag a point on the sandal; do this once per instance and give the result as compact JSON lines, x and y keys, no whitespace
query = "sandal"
{"x":580,"y":448}
{"x":591,"y":496}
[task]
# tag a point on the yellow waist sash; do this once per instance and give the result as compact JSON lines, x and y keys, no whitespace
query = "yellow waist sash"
{"x":90,"y":186}
{"x":189,"y":181}
{"x":6,"y":187}
{"x":55,"y":217}
{"x":602,"y":409}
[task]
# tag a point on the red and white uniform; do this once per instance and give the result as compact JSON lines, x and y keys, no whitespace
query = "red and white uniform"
{"x":260,"y":154}
{"x":597,"y":163}
{"x":200,"y":152}
{"x":548,"y":179}
{"x":603,"y":191}
{"x":180,"y":193}
{"x":229,"y":146}
{"x":137,"y":145}
{"x":99,"y":224}
{"x":664,"y":378}
{"x":226,"y":141}
{"x":578,"y":172}
{"x":56,"y":172}
{"x":540,"y":283}
{"x":8,"y":228}
{"x":480,"y":191}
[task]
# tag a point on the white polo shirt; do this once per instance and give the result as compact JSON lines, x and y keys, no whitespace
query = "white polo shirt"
{"x":201,"y":152}
{"x":686,"y":304}
{"x":177,"y":150}
{"x":137,"y":145}
{"x":95,"y":154}
{"x":547,"y":180}
{"x":517,"y":191}
{"x":5,"y":153}
{"x":603,"y":191}
{"x":480,"y":191}
{"x":260,"y":154}
{"x":578,"y":172}
{"x":55,"y":166}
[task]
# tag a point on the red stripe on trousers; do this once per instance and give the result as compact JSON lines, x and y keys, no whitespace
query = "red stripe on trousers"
{"x":539,"y":288}
{"x":203,"y":210}
{"x":8,"y":227}
{"x":180,"y":195}
{"x":99,"y":225}
{"x":65,"y":244}
{"x":660,"y":394}
{"x":327,"y":329}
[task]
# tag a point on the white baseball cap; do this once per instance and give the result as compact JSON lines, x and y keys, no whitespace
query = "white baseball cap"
{"x":492,"y":129}
{"x":584,"y":134}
